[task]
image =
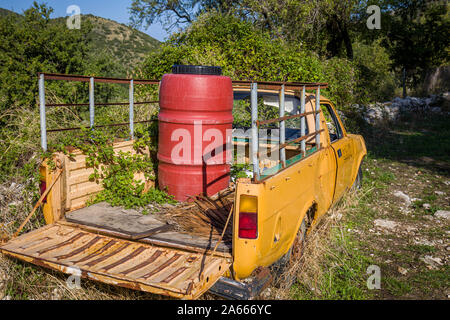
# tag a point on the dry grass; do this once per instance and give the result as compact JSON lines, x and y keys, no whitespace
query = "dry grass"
{"x":319,"y":246}
{"x":20,"y":157}
{"x":16,"y":202}
{"x":19,"y":280}
{"x":205,"y":216}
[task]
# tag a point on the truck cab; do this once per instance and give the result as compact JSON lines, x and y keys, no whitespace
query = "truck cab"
{"x":308,"y":184}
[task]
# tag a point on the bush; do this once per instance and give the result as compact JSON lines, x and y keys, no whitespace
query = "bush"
{"x":247,"y":53}
{"x":376,"y":81}
{"x":33,"y":43}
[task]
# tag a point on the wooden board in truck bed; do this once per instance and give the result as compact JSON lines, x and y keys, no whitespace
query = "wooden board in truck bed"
{"x":126,"y":223}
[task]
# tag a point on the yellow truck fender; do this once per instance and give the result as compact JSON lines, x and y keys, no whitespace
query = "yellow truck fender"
{"x":361,"y":146}
{"x":308,"y":205}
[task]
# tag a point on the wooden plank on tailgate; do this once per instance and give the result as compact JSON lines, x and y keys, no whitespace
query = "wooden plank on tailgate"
{"x":129,"y":264}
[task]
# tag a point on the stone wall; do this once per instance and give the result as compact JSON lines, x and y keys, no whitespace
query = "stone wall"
{"x":391,"y":110}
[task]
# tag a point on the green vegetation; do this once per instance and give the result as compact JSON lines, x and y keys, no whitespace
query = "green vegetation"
{"x":335,"y":267}
{"x":397,"y":287}
{"x":414,"y":36}
{"x":116,"y":171}
{"x":124,"y":46}
{"x":245,"y":52}
{"x":32,"y":43}
{"x":5,"y":12}
{"x":374,"y":66}
{"x":343,"y":271}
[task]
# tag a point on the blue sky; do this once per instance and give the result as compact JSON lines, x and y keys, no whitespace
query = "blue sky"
{"x":112,"y":9}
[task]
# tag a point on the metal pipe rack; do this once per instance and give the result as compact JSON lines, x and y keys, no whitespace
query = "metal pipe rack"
{"x":91,"y":80}
{"x":282,"y":87}
{"x":254,"y":86}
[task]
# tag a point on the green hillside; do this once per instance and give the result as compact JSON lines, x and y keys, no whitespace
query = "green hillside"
{"x":4,"y":12}
{"x":127,"y":46}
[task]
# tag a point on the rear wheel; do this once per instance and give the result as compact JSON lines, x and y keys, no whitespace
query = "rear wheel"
{"x":358,"y":181}
{"x":284,"y":271}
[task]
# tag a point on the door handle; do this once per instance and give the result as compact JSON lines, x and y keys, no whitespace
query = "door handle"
{"x":339,"y":152}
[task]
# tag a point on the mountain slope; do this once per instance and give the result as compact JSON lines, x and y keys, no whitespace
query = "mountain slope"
{"x":128,"y":46}
{"x":125,"y":45}
{"x":5,"y":12}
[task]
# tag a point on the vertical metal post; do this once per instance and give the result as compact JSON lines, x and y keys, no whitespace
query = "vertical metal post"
{"x":303,"y":121}
{"x":255,"y":138}
{"x":282,"y":128}
{"x":42,"y":111}
{"x":91,"y":103}
{"x":318,"y":118}
{"x":132,"y":109}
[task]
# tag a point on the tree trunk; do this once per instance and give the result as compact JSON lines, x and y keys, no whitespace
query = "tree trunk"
{"x":404,"y":82}
{"x":347,"y":41}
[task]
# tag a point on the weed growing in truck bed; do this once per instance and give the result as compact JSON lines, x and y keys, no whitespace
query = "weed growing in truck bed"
{"x":117,"y":171}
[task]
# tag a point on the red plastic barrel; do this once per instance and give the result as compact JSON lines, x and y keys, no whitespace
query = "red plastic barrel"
{"x":195,"y":122}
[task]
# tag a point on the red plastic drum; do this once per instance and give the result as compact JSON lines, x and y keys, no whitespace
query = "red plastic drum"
{"x":195,"y":122}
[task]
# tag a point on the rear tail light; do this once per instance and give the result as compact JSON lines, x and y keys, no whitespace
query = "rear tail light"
{"x":43,"y":187}
{"x":248,"y":225}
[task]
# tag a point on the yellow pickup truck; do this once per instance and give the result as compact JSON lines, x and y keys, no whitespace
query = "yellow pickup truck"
{"x":271,"y":211}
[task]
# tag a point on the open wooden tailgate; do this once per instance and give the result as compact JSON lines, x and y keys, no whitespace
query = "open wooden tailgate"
{"x":129,"y":264}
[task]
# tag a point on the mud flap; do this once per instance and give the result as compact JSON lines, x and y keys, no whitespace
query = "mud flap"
{"x":134,"y":265}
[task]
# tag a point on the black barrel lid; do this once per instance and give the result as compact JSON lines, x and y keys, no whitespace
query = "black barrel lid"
{"x":202,"y":70}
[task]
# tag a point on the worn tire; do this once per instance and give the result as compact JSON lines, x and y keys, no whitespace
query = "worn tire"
{"x":280,"y":269}
{"x":358,"y":181}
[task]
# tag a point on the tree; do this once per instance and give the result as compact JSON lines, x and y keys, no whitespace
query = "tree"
{"x":173,"y":13}
{"x":416,"y":34}
{"x":312,"y":22}
{"x":419,"y":27}
{"x":32,"y":43}
{"x":245,"y":52}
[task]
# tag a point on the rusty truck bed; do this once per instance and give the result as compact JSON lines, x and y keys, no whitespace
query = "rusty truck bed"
{"x":136,"y":265}
{"x":123,"y":247}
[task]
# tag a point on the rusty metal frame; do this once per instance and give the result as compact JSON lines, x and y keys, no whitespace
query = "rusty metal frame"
{"x":98,"y":104}
{"x":264,"y":122}
{"x":312,"y":134}
{"x":281,"y":87}
{"x":276,"y":85}
{"x":100,"y":126}
{"x":79,"y":78}
{"x":91,"y":80}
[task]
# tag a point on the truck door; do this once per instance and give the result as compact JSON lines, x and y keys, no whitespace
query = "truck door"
{"x":342,"y":147}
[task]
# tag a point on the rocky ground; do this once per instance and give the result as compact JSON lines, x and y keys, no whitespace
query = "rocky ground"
{"x":405,"y":229}
{"x":393,"y":110}
{"x":399,"y":221}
